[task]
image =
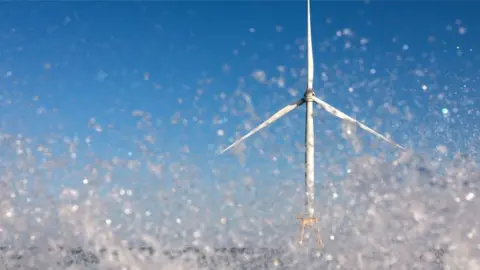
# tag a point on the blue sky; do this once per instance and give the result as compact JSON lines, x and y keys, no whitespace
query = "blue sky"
{"x":63,"y":64}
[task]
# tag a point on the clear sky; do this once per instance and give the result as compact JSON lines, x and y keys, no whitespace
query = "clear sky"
{"x":90,"y":68}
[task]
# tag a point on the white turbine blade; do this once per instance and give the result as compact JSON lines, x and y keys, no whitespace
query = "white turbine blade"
{"x":329,"y":108}
{"x":309,"y":50}
{"x":267,"y":122}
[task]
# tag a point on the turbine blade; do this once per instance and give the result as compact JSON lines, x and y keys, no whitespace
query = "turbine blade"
{"x":329,"y":108}
{"x":309,"y":50}
{"x":267,"y":122}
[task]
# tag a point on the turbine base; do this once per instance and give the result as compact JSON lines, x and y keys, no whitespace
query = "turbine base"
{"x":309,"y":223}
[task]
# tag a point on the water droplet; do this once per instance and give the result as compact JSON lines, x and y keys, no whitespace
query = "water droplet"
{"x":223,"y":220}
{"x":442,"y":148}
{"x":347,"y":32}
{"x":470,"y":196}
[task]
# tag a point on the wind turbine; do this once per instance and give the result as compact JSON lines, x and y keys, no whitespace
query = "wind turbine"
{"x":309,"y":98}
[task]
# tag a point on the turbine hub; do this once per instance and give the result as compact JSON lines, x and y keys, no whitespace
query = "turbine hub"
{"x":309,"y":95}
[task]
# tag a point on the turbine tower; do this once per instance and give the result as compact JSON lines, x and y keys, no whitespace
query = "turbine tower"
{"x":309,"y":98}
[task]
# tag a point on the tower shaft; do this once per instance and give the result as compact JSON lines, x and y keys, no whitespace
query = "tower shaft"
{"x":309,"y":220}
{"x":309,"y":156}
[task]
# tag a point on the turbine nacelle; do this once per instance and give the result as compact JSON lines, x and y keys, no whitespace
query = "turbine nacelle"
{"x":309,"y":95}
